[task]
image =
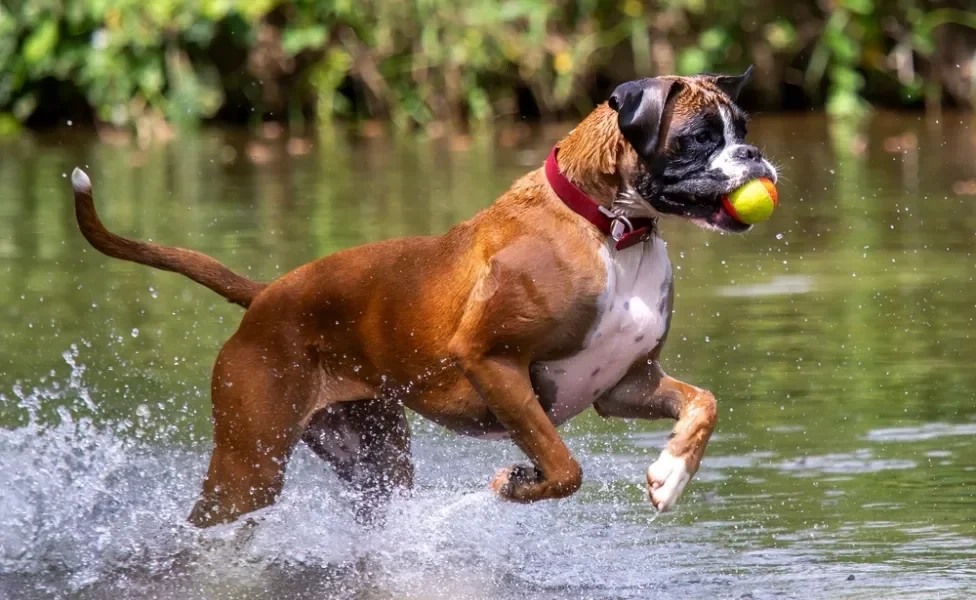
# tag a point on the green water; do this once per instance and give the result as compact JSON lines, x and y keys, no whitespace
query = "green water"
{"x":838,"y":337}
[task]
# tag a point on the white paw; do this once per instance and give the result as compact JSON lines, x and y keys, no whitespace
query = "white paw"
{"x":666,"y":479}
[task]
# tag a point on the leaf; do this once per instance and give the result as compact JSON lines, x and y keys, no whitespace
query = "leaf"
{"x":861,"y":7}
{"x":843,"y":103}
{"x":24,"y":107}
{"x":912,"y":90}
{"x":780,"y":34}
{"x":479,"y":104}
{"x":40,"y":45}
{"x":200,"y":33}
{"x":9,"y":125}
{"x":923,"y":43}
{"x":843,"y":48}
{"x":846,"y":78}
{"x":296,"y":39}
{"x":695,"y":6}
{"x":693,"y":60}
{"x":255,"y":10}
{"x":151,"y":78}
{"x":713,"y":39}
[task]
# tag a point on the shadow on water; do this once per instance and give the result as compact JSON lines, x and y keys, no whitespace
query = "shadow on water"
{"x":838,"y":338}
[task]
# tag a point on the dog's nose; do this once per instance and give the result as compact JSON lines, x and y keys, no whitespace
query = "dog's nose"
{"x":745,"y":152}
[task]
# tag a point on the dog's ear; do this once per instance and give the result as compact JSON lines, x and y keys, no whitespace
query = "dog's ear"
{"x":640,"y":109}
{"x":732,"y":85}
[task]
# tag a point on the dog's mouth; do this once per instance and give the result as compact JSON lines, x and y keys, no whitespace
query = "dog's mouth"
{"x":699,"y":197}
{"x":705,"y":210}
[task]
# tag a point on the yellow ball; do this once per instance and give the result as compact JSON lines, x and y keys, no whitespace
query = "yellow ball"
{"x":752,"y":203}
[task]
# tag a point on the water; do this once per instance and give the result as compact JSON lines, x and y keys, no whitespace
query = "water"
{"x":838,"y":338}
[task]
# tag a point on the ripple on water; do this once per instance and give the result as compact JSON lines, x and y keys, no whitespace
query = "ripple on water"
{"x":920,"y":433}
{"x":857,"y":462}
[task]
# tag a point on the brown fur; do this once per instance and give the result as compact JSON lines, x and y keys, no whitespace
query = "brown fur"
{"x":447,"y":326}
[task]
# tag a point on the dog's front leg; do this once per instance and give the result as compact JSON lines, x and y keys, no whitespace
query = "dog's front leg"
{"x":647,"y":393}
{"x":504,"y":320}
{"x":505,"y":386}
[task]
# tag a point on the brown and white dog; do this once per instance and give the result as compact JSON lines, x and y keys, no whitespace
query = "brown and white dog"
{"x":555,"y":298}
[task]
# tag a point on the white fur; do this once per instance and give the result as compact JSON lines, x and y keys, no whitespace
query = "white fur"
{"x":630,"y":325}
{"x":80,"y":181}
{"x":666,"y":479}
{"x":735,"y":170}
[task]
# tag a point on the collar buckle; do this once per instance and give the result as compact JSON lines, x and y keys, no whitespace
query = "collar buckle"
{"x":619,"y":227}
{"x":619,"y":224}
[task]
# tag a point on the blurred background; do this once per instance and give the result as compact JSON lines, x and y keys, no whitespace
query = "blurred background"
{"x":838,"y":336}
{"x":440,"y":63}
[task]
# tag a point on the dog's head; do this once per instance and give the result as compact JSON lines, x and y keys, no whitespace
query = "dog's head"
{"x":689,"y":138}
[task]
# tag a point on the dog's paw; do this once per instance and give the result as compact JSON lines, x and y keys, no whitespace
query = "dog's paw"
{"x":508,"y":480}
{"x":666,"y":479}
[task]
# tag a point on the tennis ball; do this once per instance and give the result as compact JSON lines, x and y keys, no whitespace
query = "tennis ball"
{"x":752,"y":203}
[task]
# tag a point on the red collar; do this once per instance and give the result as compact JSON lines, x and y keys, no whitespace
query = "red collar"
{"x":625,"y":232}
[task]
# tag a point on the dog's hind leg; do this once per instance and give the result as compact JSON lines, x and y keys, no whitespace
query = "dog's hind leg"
{"x":368,"y":444}
{"x":262,"y":393}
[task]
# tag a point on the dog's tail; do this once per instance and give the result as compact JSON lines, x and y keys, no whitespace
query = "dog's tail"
{"x":198,"y":267}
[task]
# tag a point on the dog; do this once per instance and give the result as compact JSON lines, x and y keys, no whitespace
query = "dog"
{"x":556,"y":298}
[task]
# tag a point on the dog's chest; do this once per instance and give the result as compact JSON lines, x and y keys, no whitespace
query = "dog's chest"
{"x":634,"y":314}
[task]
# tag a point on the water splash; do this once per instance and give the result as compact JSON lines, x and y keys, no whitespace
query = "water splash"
{"x":88,"y":509}
{"x":95,"y":509}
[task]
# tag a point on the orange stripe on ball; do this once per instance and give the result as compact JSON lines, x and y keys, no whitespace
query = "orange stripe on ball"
{"x":731,"y":209}
{"x":771,"y":190}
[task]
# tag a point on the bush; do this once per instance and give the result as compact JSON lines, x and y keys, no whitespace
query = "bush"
{"x":419,"y":61}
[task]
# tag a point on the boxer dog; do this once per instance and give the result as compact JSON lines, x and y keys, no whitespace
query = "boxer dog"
{"x":555,"y":298}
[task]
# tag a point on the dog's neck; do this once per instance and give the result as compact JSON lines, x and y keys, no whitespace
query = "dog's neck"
{"x":596,"y":157}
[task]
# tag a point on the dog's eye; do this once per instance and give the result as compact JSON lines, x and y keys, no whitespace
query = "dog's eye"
{"x":704,"y":136}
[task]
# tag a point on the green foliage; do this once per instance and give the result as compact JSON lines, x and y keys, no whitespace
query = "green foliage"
{"x":419,"y":61}
{"x":128,"y":58}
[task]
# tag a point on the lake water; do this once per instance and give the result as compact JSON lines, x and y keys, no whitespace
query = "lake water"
{"x":839,"y":338}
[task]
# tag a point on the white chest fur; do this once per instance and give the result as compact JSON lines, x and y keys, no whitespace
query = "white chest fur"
{"x":634,"y":311}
